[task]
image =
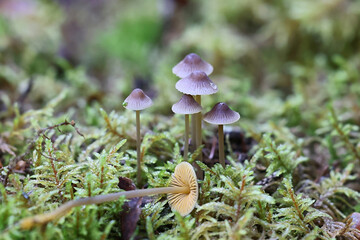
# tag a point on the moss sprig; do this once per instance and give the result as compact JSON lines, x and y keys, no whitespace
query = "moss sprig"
{"x":279,"y":158}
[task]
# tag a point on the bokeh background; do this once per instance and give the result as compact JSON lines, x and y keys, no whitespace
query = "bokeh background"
{"x":271,"y":59}
{"x":290,"y":68}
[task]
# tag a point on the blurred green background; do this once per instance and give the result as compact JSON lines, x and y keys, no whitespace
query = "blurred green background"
{"x":290,"y":68}
{"x":271,"y":59}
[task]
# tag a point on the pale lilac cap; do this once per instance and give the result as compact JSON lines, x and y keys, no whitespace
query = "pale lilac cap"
{"x":137,"y":100}
{"x":186,"y":105}
{"x":191,"y":63}
{"x":221,"y":114}
{"x":197,"y":83}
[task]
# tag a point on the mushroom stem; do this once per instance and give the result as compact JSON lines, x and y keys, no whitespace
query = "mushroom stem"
{"x":193,"y":132}
{"x":198,"y":124}
{"x":186,"y":143}
{"x":138,"y":175}
{"x":198,"y":136}
{"x":40,"y":219}
{"x":221,"y":145}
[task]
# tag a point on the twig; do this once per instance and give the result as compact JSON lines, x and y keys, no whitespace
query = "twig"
{"x":43,"y":131}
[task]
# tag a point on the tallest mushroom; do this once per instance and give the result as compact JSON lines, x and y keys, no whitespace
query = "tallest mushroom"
{"x":192,"y":63}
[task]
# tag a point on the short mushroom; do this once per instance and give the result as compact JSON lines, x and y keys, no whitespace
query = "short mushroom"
{"x":192,"y":62}
{"x":186,"y":105}
{"x":182,"y":197}
{"x":197,"y":83}
{"x":137,"y":100}
{"x":219,"y":115}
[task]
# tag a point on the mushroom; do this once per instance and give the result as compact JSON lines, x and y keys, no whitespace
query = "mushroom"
{"x":219,"y":115}
{"x":182,"y":197}
{"x":197,"y":83}
{"x":186,"y":105}
{"x":137,"y":100}
{"x":192,"y":62}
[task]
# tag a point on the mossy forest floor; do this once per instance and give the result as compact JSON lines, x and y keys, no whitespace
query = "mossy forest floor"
{"x":290,"y":68}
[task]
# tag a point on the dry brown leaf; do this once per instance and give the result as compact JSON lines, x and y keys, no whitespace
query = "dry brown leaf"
{"x":6,"y":148}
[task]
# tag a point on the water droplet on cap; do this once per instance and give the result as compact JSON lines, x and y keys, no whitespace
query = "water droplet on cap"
{"x":213,"y":85}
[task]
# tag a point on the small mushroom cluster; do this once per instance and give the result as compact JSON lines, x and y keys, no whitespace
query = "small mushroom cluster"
{"x":194,"y":83}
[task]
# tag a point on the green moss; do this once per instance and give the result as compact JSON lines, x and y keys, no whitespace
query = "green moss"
{"x":291,"y":68}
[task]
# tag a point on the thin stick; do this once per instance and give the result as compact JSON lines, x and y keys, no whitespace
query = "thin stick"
{"x":186,"y":144}
{"x":40,"y":219}
{"x":221,"y":145}
{"x":138,"y":143}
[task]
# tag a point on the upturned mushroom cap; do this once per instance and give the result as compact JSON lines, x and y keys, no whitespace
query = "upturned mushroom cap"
{"x":221,"y":114}
{"x":184,"y":176}
{"x":137,"y":100}
{"x":197,"y":83}
{"x":192,"y":62}
{"x":186,"y":105}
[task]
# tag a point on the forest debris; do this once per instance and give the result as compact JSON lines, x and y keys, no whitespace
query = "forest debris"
{"x":20,"y":166}
{"x":129,"y":217}
{"x":6,"y":148}
{"x":65,"y":123}
{"x":126,"y":184}
{"x":131,"y":210}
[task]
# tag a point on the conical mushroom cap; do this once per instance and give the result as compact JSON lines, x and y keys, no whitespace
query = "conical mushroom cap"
{"x":184,"y":176}
{"x":192,"y":62}
{"x":221,"y":114}
{"x":197,"y":83}
{"x":137,"y":100}
{"x":186,"y":105}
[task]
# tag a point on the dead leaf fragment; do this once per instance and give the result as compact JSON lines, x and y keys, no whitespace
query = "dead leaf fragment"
{"x":126,"y":184}
{"x":6,"y":148}
{"x":129,"y":217}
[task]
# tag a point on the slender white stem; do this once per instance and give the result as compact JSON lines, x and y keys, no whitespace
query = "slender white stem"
{"x":199,"y":136}
{"x":221,"y":145}
{"x":186,"y":143}
{"x":138,"y":151}
{"x":193,"y":133}
{"x":198,"y":124}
